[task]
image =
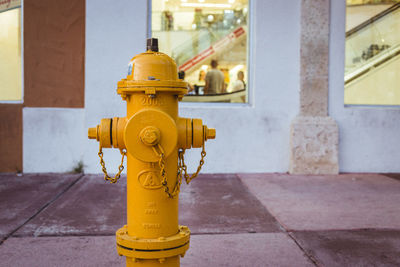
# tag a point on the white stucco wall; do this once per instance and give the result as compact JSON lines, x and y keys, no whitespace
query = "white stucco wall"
{"x":53,"y":139}
{"x":250,"y":138}
{"x":369,"y":136}
{"x":115,"y":32}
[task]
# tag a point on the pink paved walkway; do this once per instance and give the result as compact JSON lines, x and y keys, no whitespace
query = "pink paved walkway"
{"x":236,"y":220}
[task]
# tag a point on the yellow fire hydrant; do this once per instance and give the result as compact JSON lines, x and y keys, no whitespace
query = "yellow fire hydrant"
{"x":154,"y":139}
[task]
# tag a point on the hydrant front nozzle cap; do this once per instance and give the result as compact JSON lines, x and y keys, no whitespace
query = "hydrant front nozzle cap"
{"x":152,"y":44}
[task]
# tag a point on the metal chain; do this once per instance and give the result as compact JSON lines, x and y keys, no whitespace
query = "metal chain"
{"x":201,"y":163}
{"x":182,"y":168}
{"x":161,"y":164}
{"x":114,"y":179}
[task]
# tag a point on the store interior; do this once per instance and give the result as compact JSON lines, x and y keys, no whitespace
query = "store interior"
{"x":10,"y":54}
{"x":372,"y":55}
{"x":195,"y":32}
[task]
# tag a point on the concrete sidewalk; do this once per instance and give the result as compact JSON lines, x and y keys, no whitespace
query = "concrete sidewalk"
{"x":235,"y":220}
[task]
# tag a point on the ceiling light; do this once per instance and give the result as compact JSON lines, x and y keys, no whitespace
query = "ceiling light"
{"x":206,"y":5}
{"x":236,"y":68}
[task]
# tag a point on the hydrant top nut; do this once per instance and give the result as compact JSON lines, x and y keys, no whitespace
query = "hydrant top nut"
{"x":150,"y":136}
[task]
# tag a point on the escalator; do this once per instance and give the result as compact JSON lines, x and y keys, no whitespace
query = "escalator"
{"x":372,"y":62}
{"x":194,"y":34}
{"x":204,"y":45}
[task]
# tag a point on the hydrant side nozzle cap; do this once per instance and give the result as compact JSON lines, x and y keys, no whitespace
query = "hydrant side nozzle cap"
{"x":152,"y":44}
{"x":92,"y":133}
{"x":210,"y":133}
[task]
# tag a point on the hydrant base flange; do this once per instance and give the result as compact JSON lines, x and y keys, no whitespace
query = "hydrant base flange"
{"x":145,"y":248}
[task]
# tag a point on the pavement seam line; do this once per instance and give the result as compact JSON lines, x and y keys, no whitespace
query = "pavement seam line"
{"x":282,"y":226}
{"x":390,"y":175}
{"x":42,"y":208}
{"x":310,"y":256}
{"x":278,"y":224}
{"x":113,"y":234}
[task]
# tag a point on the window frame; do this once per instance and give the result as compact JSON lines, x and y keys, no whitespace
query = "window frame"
{"x":249,"y":60}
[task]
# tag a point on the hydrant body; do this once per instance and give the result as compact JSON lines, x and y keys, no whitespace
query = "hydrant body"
{"x":154,"y":139}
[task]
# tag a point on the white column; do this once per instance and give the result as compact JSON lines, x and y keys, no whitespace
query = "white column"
{"x":314,"y":135}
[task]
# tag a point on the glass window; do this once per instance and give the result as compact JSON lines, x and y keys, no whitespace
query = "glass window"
{"x":10,"y":51}
{"x":372,"y":59}
{"x":208,"y":41}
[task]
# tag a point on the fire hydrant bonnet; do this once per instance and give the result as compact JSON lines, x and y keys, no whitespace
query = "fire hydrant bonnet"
{"x":152,"y":69}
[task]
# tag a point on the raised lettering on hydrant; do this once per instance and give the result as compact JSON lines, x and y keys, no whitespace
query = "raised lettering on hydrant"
{"x":153,"y":138}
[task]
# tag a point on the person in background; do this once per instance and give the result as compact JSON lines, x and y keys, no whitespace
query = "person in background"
{"x":198,"y":15}
{"x":181,"y":75}
{"x":214,"y":80}
{"x":167,"y":21}
{"x":225,"y":71}
{"x":239,"y":84}
{"x":202,"y":76}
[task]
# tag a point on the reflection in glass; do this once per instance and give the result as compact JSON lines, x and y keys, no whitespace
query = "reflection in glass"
{"x":10,"y":55}
{"x":195,"y":33}
{"x":372,"y":58}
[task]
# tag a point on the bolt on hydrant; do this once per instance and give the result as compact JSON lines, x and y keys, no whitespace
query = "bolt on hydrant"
{"x":153,"y":138}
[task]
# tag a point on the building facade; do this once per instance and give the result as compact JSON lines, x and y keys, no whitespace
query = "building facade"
{"x":295,"y":119}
